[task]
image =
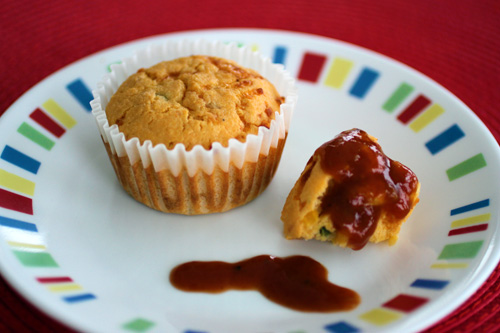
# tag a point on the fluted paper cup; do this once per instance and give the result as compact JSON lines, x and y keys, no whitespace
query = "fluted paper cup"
{"x":199,"y":180}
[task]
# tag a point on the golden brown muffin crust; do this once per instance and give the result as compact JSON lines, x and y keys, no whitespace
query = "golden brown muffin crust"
{"x":193,"y":100}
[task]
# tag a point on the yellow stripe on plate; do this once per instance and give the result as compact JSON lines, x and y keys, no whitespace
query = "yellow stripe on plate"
{"x":338,"y":72}
{"x":59,"y":113}
{"x":27,"y":245}
{"x":380,"y":317}
{"x":450,"y":265}
{"x":434,"y":111}
{"x":471,"y":220}
{"x":16,"y":183}
{"x":57,"y":288}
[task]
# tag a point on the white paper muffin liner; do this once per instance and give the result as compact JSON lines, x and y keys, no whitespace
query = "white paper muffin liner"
{"x":178,"y":160}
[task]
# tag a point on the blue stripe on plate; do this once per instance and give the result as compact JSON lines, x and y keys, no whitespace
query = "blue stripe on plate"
{"x":16,"y":224}
{"x":429,"y":284}
{"x":445,"y":139}
{"x":279,"y":55}
{"x":19,"y":159}
{"x":79,"y":298}
{"x":364,"y":82}
{"x":472,"y":206}
{"x":82,"y":94}
{"x":341,"y":327}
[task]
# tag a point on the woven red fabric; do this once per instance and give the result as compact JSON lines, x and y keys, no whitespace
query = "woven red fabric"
{"x":456,"y":43}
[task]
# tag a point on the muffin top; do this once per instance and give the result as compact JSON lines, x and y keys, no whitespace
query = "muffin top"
{"x":193,"y":100}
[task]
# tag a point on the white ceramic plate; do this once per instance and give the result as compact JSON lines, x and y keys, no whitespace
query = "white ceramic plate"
{"x":74,"y":244}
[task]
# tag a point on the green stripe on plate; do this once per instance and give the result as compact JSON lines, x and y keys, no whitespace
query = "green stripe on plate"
{"x":466,"y":250}
{"x":397,"y":97}
{"x":35,"y":136}
{"x":138,"y":325}
{"x":35,"y":259}
{"x":470,"y":165}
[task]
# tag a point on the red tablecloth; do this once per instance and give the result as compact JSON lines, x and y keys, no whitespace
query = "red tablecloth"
{"x":457,"y":43}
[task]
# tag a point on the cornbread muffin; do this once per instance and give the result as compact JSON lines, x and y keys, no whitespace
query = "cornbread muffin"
{"x":190,"y":129}
{"x":196,"y":100}
{"x":350,"y":193}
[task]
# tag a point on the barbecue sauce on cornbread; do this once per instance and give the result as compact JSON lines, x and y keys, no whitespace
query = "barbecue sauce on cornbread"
{"x":366,"y":184}
{"x":297,"y":282}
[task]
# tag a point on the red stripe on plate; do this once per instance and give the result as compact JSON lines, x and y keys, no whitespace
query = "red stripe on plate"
{"x":57,"y":279}
{"x":412,"y":110}
{"x":46,"y":122}
{"x":405,"y":303}
{"x":311,"y":66}
{"x":474,"y":228}
{"x":16,"y":202}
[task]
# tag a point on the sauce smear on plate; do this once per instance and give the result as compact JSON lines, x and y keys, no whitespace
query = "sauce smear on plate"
{"x":297,"y":282}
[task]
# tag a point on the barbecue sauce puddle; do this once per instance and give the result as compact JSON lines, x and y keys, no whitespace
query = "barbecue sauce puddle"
{"x":296,"y":282}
